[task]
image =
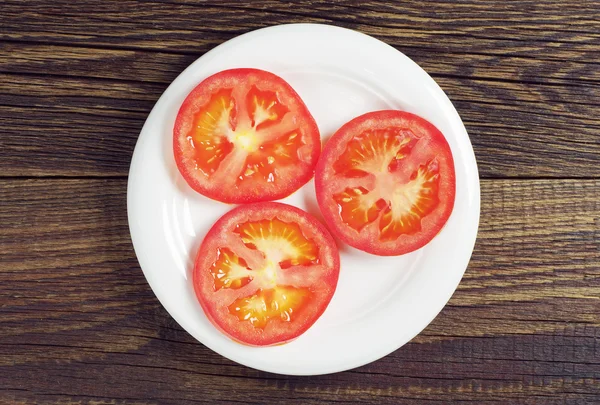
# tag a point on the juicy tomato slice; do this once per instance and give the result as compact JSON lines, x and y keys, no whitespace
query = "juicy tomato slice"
{"x":386,"y":182}
{"x":244,"y":135}
{"x":265,"y":273}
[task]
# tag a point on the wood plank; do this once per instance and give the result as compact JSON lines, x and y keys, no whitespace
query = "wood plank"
{"x":517,"y":129}
{"x":80,"y":324}
{"x":163,"y":67}
{"x":84,"y":62}
{"x":532,"y":29}
{"x":71,"y":127}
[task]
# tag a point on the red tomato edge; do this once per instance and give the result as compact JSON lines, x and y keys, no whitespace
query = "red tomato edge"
{"x":198,"y":187}
{"x":217,"y":227}
{"x":369,"y":246}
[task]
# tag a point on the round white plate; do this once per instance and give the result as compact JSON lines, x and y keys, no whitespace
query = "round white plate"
{"x":380,"y":302}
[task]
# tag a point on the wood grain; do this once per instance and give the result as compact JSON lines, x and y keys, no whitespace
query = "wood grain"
{"x":79,"y":323}
{"x":525,"y":77}
{"x":71,"y":127}
{"x":550,"y":29}
{"x":517,"y":129}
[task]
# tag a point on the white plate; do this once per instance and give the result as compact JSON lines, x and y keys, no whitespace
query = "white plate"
{"x":380,"y":303}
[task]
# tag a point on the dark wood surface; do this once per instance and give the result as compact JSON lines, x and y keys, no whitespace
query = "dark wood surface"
{"x":80,"y":325}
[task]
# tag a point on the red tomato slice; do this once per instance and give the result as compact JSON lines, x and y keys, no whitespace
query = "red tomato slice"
{"x":386,"y":183}
{"x":265,"y":273}
{"x":244,"y":135}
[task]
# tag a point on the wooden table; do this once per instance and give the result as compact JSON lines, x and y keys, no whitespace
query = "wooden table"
{"x":80,"y":325}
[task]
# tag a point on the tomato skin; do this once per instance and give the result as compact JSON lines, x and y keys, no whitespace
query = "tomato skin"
{"x":292,"y":176}
{"x":431,"y":225}
{"x":323,"y":280}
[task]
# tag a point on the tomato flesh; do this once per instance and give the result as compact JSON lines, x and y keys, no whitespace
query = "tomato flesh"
{"x":386,"y":182}
{"x":265,"y":273}
{"x":244,"y":135}
{"x":275,"y":303}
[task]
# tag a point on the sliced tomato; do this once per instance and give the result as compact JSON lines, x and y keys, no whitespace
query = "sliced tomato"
{"x":265,"y":273}
{"x":244,"y":135}
{"x":386,"y":182}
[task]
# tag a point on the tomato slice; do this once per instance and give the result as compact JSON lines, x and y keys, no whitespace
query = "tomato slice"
{"x":265,"y":273}
{"x":244,"y":135}
{"x":386,"y":182}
